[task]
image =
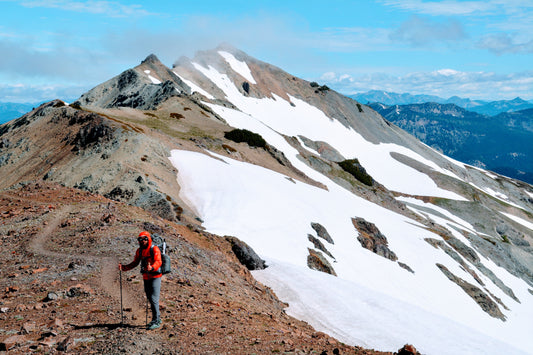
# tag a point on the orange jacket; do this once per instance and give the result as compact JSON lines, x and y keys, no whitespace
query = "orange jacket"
{"x":144,"y":256}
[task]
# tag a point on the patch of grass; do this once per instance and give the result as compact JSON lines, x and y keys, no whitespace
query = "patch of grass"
{"x":354,"y":168}
{"x":76,"y":105}
{"x":243,"y":135}
{"x":150,"y":114}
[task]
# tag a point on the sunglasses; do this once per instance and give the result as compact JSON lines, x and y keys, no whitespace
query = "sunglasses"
{"x":142,"y":239}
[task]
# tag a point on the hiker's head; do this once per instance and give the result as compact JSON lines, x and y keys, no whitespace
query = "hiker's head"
{"x":144,"y":239}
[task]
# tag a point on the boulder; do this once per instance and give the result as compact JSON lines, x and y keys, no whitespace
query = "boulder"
{"x":11,"y":342}
{"x":317,"y":261}
{"x":245,"y":254}
{"x":408,"y":349}
{"x":318,"y":245}
{"x":322,"y":232}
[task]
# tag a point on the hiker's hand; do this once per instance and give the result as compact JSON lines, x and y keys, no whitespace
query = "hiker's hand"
{"x":120,"y":266}
{"x":149,"y":268}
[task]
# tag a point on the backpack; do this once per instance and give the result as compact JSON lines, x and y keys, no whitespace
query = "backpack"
{"x":162,"y":245}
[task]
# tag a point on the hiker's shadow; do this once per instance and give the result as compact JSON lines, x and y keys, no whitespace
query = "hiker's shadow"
{"x":110,"y":326}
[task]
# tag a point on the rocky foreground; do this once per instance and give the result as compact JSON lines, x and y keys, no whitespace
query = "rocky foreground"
{"x":60,"y":286}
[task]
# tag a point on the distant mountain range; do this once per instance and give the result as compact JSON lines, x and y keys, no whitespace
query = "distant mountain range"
{"x":10,"y":110}
{"x":501,"y":143}
{"x":489,"y":108}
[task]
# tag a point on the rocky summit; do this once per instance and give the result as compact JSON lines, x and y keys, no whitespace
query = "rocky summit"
{"x":298,"y":221}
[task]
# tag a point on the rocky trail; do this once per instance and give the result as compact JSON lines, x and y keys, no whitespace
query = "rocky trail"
{"x":60,"y":285}
{"x":109,"y":281}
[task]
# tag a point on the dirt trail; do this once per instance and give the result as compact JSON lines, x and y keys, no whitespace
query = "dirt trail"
{"x":37,"y":244}
{"x":109,"y":280}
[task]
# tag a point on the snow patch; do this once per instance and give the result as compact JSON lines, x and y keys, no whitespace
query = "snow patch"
{"x":518,"y":220}
{"x":195,"y":87}
{"x":240,"y":67}
{"x":497,"y":195}
{"x":154,"y":80}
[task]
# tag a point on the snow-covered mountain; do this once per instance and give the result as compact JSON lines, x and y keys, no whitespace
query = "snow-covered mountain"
{"x":369,"y":235}
{"x":489,"y":108}
{"x":372,"y":300}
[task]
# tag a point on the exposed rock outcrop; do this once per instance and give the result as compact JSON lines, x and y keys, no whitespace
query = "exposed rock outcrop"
{"x":372,"y":239}
{"x":325,"y":150}
{"x":484,"y":301}
{"x":322,"y":232}
{"x":317,"y":261}
{"x":245,"y":254}
{"x":318,"y":245}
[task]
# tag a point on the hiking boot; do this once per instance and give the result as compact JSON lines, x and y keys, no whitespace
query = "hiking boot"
{"x":153,"y":325}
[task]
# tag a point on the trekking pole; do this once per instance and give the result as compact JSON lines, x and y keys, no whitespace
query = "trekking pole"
{"x":146,"y":311}
{"x":121,"y":307}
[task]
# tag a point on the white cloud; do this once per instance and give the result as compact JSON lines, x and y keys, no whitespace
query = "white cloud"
{"x":457,"y":8}
{"x":447,"y":72}
{"x":419,"y":31}
{"x":441,"y":8}
{"x":444,"y":83}
{"x":505,"y":43}
{"x":109,"y":8}
{"x":348,"y":39}
{"x":23,"y":93}
{"x":23,"y":60}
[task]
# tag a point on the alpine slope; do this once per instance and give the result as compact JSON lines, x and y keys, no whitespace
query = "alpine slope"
{"x":454,"y":287}
{"x":369,"y":235}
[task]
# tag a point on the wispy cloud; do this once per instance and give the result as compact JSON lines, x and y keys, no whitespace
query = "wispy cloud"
{"x":443,"y":83}
{"x":348,"y":39}
{"x":24,"y":93}
{"x":265,"y":36}
{"x":444,"y":8}
{"x":419,"y":31}
{"x":108,"y":8}
{"x":505,"y":43}
{"x":20,"y":59}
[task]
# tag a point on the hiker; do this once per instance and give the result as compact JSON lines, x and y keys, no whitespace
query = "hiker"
{"x":150,"y":259}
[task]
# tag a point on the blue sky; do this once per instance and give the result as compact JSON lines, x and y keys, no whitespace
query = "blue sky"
{"x":477,"y":49}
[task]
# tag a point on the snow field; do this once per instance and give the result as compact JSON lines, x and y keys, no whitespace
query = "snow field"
{"x":273,"y":215}
{"x":240,"y":67}
{"x":373,"y":301}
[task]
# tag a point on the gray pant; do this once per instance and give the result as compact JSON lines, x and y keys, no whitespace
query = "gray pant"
{"x":152,"y":288}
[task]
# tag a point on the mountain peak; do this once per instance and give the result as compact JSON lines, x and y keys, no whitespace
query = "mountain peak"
{"x":151,"y":59}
